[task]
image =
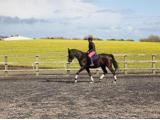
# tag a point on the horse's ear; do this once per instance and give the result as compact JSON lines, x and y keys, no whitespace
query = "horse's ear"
{"x":68,"y":50}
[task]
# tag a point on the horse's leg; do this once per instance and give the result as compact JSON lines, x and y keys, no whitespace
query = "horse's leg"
{"x":104,"y":72}
{"x":77,"y":74}
{"x":113,"y":72}
{"x":89,"y":73}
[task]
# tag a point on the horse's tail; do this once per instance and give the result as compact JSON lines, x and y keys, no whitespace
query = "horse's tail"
{"x":115,"y":64}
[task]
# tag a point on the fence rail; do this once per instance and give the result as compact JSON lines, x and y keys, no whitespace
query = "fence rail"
{"x":35,"y":65}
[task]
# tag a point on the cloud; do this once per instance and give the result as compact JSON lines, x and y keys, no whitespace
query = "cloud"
{"x":119,"y":11}
{"x":70,"y":11}
{"x":149,"y":29}
{"x":17,"y":20}
{"x":44,"y":8}
{"x":68,"y":18}
{"x":143,"y":23}
{"x":25,"y":8}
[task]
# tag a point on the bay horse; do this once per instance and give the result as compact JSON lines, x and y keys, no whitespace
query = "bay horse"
{"x":103,"y":61}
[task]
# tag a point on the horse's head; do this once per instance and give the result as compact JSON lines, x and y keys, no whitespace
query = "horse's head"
{"x":70,"y":55}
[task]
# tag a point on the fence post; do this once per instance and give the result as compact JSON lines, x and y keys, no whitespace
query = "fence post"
{"x":153,"y":64}
{"x":125,"y":64}
{"x":68,"y":68}
{"x":37,"y":65}
{"x":6,"y":65}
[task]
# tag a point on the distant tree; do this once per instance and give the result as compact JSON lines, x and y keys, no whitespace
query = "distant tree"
{"x":120,"y":39}
{"x":112,"y":39}
{"x":151,"y":38}
{"x":98,"y":38}
{"x":129,"y":40}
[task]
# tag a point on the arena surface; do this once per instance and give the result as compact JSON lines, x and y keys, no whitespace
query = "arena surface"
{"x":131,"y":97}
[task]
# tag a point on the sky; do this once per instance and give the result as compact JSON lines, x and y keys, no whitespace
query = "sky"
{"x":107,"y":19}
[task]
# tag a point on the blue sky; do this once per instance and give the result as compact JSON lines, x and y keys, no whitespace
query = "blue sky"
{"x":128,"y":19}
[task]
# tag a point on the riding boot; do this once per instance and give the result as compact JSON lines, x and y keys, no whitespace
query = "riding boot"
{"x":91,"y":61}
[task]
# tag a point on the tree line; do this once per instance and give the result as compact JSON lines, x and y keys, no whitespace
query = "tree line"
{"x":151,"y":38}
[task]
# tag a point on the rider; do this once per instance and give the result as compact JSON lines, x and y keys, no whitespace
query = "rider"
{"x":92,"y":50}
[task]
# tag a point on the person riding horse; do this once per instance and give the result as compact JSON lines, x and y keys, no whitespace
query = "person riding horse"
{"x":92,"y":50}
{"x":103,"y":61}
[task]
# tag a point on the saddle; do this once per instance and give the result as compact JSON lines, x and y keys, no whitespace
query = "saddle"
{"x":95,"y":57}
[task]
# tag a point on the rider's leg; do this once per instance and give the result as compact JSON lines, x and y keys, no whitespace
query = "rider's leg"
{"x":90,"y":55}
{"x":91,"y":62}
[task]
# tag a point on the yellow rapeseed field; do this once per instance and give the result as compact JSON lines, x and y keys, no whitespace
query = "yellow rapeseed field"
{"x":56,"y":50}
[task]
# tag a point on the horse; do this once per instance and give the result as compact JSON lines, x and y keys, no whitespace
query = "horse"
{"x":103,"y":61}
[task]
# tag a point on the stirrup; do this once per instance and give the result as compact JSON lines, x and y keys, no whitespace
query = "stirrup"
{"x":91,"y":65}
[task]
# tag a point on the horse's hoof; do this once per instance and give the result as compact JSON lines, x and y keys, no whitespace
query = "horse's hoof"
{"x":115,"y":82}
{"x":91,"y":82}
{"x":75,"y":81}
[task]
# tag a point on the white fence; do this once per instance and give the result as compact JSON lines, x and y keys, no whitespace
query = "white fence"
{"x":126,"y":59}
